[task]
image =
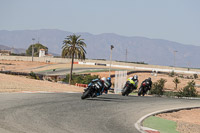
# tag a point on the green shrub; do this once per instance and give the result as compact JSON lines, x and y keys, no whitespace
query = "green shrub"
{"x":158,"y":87}
{"x":195,"y":76}
{"x":33,"y":75}
{"x":188,"y":91}
{"x":172,"y":74}
{"x":81,"y":79}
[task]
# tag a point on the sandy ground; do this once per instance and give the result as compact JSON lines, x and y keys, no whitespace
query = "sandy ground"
{"x":188,"y":121}
{"x":10,"y":83}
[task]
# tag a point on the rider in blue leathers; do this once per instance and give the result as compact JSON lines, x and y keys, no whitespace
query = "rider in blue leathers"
{"x":106,"y":84}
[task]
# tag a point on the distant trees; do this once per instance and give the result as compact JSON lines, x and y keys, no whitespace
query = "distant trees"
{"x":36,"y":50}
{"x":73,"y":48}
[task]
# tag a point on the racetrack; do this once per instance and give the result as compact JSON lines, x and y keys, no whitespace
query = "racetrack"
{"x":65,"y":71}
{"x":67,"y":113}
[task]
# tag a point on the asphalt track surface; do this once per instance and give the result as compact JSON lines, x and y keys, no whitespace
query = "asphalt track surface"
{"x":67,"y":71}
{"x":67,"y":113}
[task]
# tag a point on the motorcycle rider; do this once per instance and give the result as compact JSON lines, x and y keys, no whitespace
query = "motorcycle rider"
{"x":134,"y":80}
{"x":105,"y":86}
{"x":149,"y":81}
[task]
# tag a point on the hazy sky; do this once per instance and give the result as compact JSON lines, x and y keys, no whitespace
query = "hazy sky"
{"x":175,"y":20}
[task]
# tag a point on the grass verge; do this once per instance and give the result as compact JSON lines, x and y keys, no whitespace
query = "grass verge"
{"x":162,"y":125}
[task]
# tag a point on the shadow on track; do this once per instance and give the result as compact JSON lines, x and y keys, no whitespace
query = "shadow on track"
{"x":111,"y":99}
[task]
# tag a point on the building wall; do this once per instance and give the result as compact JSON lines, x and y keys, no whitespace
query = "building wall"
{"x":41,"y":53}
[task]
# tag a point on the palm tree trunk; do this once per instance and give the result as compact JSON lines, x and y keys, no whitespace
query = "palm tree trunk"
{"x":70,"y":77}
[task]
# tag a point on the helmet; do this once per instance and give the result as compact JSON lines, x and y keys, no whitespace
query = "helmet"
{"x":135,"y":77}
{"x":103,"y":79}
{"x":109,"y":79}
{"x":149,"y":79}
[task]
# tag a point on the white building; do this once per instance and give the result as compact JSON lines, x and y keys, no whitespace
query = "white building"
{"x":42,"y":53}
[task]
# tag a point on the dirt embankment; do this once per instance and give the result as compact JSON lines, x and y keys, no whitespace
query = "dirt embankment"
{"x":10,"y":83}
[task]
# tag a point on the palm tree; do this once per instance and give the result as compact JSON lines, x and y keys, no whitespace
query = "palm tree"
{"x":73,"y":48}
{"x":176,"y":82}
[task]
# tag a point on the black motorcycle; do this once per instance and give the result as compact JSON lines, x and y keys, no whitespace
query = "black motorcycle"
{"x":143,"y":88}
{"x":93,"y":88}
{"x":128,"y":88}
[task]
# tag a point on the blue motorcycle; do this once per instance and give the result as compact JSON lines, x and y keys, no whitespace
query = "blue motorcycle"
{"x":94,"y":89}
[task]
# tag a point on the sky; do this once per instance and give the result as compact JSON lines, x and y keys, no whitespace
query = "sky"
{"x":174,"y":20}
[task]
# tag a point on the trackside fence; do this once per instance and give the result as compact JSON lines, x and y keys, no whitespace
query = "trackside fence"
{"x":120,"y":80}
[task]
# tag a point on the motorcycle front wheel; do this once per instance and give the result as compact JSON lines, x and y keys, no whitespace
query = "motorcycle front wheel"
{"x":140,"y":91}
{"x":125,"y":91}
{"x":85,"y":94}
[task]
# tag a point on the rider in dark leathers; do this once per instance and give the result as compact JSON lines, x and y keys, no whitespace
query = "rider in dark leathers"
{"x":150,"y":83}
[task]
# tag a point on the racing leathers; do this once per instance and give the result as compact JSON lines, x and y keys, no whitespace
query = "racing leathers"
{"x":133,"y":82}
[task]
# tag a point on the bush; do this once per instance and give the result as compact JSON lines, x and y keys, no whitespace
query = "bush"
{"x":172,"y":74}
{"x":158,"y":87}
{"x":33,"y":75}
{"x":188,"y":91}
{"x":195,"y":76}
{"x":81,"y":79}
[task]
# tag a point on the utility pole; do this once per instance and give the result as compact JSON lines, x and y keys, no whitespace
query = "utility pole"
{"x":175,"y":58}
{"x":111,"y":47}
{"x":188,"y":66}
{"x":33,"y":39}
{"x":126,"y":54}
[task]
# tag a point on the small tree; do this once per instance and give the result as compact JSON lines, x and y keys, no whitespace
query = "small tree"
{"x":188,"y":91}
{"x":158,"y":87}
{"x":176,"y":82}
{"x":37,"y":48}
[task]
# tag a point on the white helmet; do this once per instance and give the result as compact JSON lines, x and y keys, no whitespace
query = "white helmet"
{"x":103,"y":79}
{"x":135,"y":77}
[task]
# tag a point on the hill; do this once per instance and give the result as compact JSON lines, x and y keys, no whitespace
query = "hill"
{"x":139,"y":49}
